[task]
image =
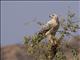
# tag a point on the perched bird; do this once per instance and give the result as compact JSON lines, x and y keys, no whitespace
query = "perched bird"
{"x":50,"y":27}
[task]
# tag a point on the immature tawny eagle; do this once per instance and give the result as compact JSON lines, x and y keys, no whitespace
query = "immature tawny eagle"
{"x":51,"y":26}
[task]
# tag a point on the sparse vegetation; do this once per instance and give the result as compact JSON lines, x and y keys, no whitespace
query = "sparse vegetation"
{"x":43,"y":50}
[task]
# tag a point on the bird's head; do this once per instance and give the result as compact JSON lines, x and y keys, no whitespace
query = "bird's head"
{"x":53,"y":16}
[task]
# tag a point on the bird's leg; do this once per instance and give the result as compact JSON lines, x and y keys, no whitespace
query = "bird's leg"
{"x":51,"y":39}
{"x":50,"y":36}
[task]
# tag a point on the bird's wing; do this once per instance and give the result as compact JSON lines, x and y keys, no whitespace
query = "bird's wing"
{"x":45,"y":28}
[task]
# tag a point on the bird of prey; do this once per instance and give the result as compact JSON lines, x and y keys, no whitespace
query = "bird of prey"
{"x":50,"y":27}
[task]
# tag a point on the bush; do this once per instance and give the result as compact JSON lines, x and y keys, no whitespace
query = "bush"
{"x":43,"y":50}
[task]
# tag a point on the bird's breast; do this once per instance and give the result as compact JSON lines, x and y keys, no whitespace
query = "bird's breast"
{"x":54,"y":23}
